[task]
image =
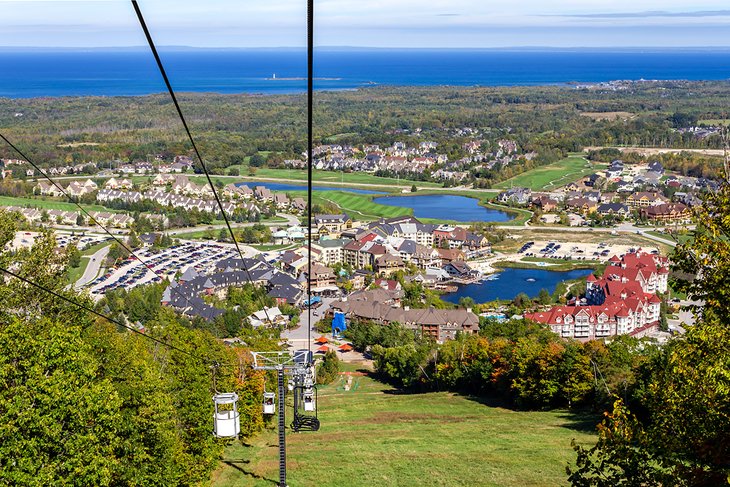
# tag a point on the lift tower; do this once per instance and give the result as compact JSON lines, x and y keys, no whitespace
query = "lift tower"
{"x":299,"y":365}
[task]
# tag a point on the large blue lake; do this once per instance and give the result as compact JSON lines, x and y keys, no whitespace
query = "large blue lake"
{"x":446,"y":207}
{"x":511,"y":282}
{"x":296,"y":187}
{"x":31,"y":73}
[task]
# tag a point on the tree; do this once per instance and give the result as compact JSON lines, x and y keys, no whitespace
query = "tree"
{"x":414,"y":188}
{"x":133,"y":241}
{"x":682,"y":434}
{"x":74,"y":256}
{"x":257,"y":160}
{"x":223,"y":235}
{"x":329,"y":368}
{"x":544,"y":297}
{"x":80,"y":220}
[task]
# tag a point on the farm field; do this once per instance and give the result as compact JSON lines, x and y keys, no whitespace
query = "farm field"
{"x":373,"y":435}
{"x":552,"y":176}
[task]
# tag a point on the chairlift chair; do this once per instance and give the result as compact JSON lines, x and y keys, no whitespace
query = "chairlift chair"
{"x":226,"y":420}
{"x":269,"y":403}
{"x":309,"y":405}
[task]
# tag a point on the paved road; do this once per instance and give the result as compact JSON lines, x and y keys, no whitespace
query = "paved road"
{"x":91,"y":271}
{"x":297,"y":337}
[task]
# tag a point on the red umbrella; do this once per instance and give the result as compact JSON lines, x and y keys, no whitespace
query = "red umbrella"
{"x":323,"y":349}
{"x":346,"y":347}
{"x":321,"y":340}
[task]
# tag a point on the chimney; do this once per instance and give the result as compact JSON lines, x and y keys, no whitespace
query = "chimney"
{"x":407,"y":308}
{"x":468,"y":310}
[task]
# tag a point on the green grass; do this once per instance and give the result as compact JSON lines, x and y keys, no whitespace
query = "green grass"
{"x":678,"y":237}
{"x":553,"y":264}
{"x":75,"y":273}
{"x":48,"y":204}
{"x":321,"y":177}
{"x":359,"y":206}
{"x":371,"y":435}
{"x":551,"y":176}
{"x":267,"y":248}
{"x":714,"y":121}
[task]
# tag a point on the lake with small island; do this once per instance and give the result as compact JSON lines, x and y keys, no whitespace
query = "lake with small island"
{"x":511,"y":282}
{"x":295,"y":187}
{"x":446,"y":207}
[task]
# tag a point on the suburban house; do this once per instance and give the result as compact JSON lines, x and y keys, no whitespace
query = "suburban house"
{"x":47,"y":189}
{"x":329,"y":224}
{"x":517,"y":196}
{"x":613,"y":209}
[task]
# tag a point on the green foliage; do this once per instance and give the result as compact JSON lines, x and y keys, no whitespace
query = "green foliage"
{"x":83,"y":403}
{"x":74,"y":256}
{"x":403,"y":365}
{"x":330,"y":367}
{"x":679,"y":433}
{"x":363,"y":334}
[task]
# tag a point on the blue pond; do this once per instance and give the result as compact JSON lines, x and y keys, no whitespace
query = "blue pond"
{"x":294,"y":187}
{"x":511,"y":282}
{"x":446,"y":207}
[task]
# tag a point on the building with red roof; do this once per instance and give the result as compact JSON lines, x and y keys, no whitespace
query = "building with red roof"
{"x":622,"y":301}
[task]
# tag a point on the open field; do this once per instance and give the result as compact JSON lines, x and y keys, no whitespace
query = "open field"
{"x":680,"y":237}
{"x":551,"y":176}
{"x":330,"y":177}
{"x":48,"y":204}
{"x":359,"y":206}
{"x":373,"y":435}
{"x":648,"y":151}
{"x":714,"y":121}
{"x":610,"y":116}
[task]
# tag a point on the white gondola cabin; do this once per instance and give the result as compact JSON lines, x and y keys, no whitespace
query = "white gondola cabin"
{"x":269,"y":403}
{"x":226,"y":420}
{"x":309,"y":400}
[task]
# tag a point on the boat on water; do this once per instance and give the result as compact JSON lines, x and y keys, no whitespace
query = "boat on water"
{"x":530,"y":279}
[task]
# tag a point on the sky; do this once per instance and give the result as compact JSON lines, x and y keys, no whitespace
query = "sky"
{"x":372,"y":23}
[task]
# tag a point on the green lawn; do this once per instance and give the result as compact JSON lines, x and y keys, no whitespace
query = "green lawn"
{"x":715,"y":121}
{"x":551,"y":176}
{"x":372,"y":435}
{"x":47,"y":204}
{"x":678,"y":237}
{"x":321,"y":177}
{"x":74,"y":273}
{"x":359,"y":206}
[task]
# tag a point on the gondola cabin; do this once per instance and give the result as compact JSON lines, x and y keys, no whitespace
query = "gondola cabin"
{"x":226,"y":420}
{"x":269,"y":403}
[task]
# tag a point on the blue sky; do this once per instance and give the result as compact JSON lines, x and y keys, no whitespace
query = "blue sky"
{"x":378,"y":23}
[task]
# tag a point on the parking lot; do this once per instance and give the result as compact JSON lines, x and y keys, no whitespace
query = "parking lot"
{"x":167,"y":263}
{"x":577,"y":251}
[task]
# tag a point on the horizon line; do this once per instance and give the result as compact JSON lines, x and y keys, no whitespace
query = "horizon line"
{"x":364,"y":48}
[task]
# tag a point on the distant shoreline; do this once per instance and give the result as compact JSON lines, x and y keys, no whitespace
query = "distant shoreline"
{"x":300,"y":78}
{"x":97,"y":72}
